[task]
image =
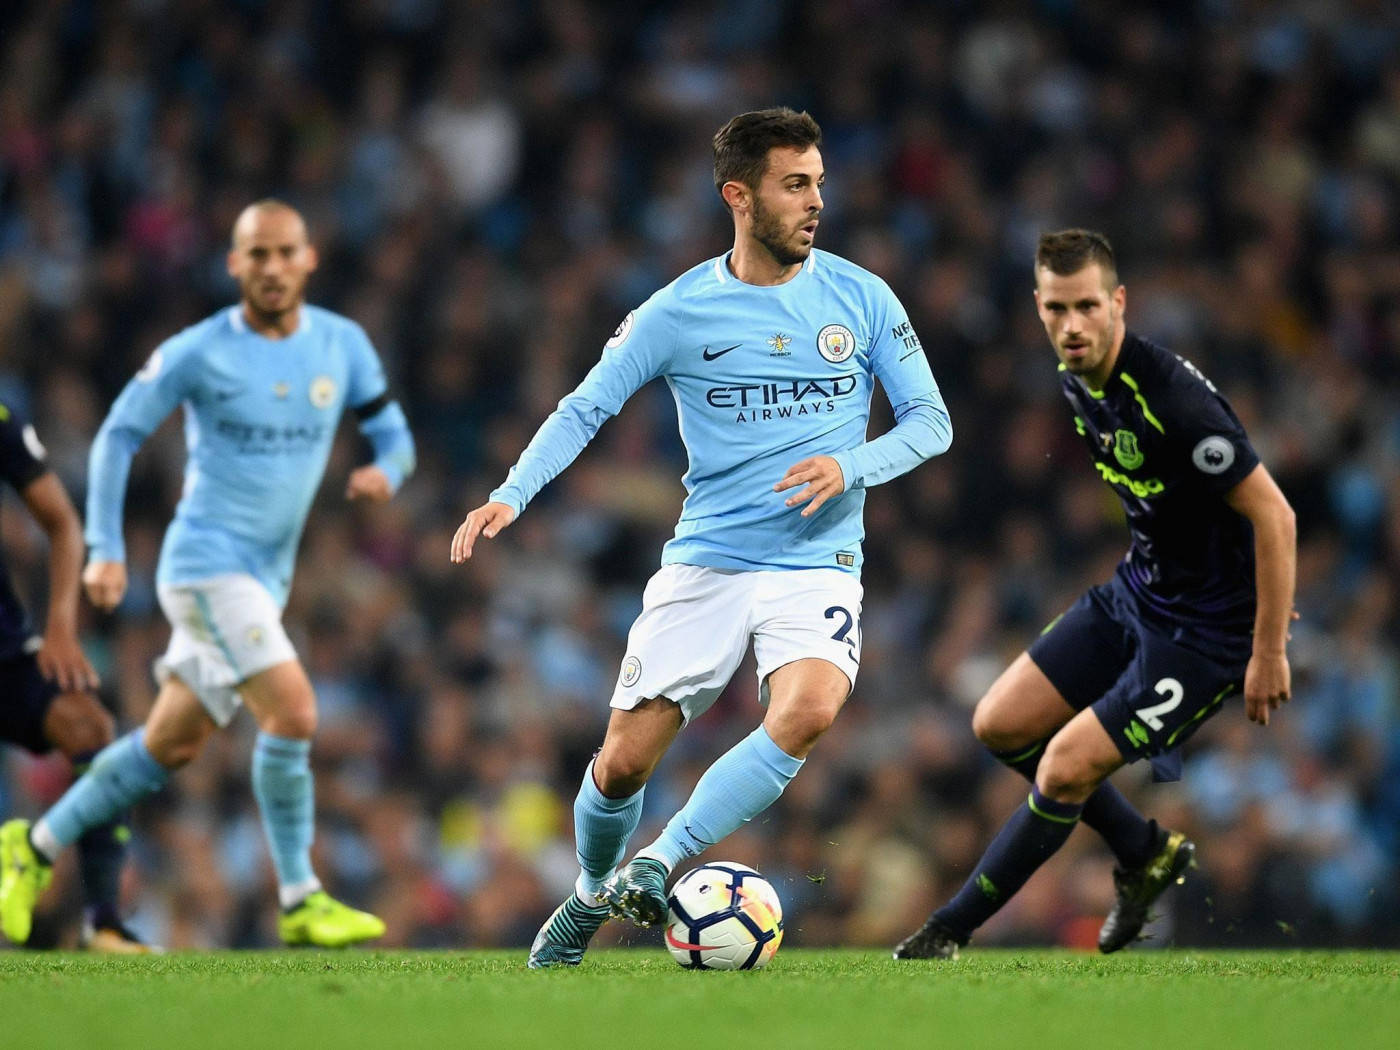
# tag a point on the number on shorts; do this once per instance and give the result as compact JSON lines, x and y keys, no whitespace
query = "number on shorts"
{"x":1173,"y":691}
{"x":843,"y":632}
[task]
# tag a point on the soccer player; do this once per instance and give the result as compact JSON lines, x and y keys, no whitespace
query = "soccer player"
{"x":263,"y":384}
{"x":48,"y":683}
{"x":771,"y":352}
{"x":1197,"y":612}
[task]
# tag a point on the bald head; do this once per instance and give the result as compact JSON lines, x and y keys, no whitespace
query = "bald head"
{"x":271,"y":259}
{"x":269,"y":209}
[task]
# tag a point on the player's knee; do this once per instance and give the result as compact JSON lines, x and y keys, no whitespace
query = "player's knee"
{"x":619,"y":772}
{"x":991,"y":727}
{"x":797,"y":728}
{"x":78,"y":725}
{"x":173,"y":748}
{"x":1063,"y":776}
{"x":297,"y":722}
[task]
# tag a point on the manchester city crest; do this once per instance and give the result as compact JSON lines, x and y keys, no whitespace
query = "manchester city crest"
{"x":836,"y":342}
{"x":322,"y":391}
{"x":631,"y":671}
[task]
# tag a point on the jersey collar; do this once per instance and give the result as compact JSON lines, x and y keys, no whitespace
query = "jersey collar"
{"x":240,"y":325}
{"x":722,"y":274}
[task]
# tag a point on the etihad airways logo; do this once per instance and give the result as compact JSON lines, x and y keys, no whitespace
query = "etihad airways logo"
{"x":797,"y":397}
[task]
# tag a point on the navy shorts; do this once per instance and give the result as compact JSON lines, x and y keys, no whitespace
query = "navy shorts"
{"x":25,"y":696}
{"x":1150,"y":687}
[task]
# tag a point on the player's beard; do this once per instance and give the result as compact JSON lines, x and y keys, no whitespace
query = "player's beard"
{"x":286,"y":303}
{"x":768,"y":231}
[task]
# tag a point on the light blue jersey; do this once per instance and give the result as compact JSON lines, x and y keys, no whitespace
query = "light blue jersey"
{"x":763,"y":377}
{"x":260,"y":417}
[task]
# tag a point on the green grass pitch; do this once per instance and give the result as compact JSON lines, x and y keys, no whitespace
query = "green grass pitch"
{"x":626,"y":998}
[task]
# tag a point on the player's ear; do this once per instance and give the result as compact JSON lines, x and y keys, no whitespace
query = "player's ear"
{"x":1120,"y":298}
{"x":231,"y":263}
{"x":313,"y":259}
{"x":736,"y":195}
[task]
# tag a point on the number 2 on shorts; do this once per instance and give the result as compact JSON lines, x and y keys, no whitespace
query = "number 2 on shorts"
{"x":843,"y":633}
{"x":1173,"y":691}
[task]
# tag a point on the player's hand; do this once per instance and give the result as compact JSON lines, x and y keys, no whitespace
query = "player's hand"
{"x":105,"y":583}
{"x":487,"y":520}
{"x":369,"y":482}
{"x":1267,"y":684}
{"x":823,"y":478}
{"x":62,"y":661}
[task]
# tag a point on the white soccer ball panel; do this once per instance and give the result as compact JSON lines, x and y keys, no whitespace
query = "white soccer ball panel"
{"x":724,"y":916}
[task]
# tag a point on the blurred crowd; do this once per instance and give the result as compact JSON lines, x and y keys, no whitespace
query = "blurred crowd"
{"x":493,"y":185}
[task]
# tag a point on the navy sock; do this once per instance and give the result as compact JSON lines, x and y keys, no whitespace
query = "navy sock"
{"x":1025,"y":842}
{"x":1132,"y":837}
{"x":101,"y":851}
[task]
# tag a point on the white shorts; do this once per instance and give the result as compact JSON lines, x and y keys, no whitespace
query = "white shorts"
{"x":223,"y":630}
{"x":696,"y":624}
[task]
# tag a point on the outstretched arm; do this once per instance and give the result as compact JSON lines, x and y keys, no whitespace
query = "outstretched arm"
{"x":1267,"y":679}
{"x":637,"y":352}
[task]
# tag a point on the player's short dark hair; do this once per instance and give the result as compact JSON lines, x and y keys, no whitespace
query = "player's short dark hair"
{"x":1068,"y":251}
{"x":742,"y":145}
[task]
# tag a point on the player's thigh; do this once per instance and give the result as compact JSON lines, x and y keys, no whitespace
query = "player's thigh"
{"x":1168,"y":693}
{"x":224,"y":631}
{"x":1086,"y":649}
{"x":178,"y":726}
{"x":806,"y":615}
{"x":282,"y":700}
{"x":1077,"y":759}
{"x":1022,"y":708}
{"x":687,"y":643}
{"x":76,"y":723}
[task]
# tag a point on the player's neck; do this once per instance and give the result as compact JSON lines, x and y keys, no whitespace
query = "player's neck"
{"x":272,"y":326}
{"x":752,"y":263}
{"x":1098,"y":378}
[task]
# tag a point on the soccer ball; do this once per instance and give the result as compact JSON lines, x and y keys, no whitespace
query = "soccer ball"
{"x":724,"y":916}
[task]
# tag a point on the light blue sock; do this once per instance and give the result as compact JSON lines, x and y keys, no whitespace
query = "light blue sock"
{"x":602,"y":827}
{"x":743,"y":782}
{"x":122,"y":773}
{"x":282,"y":784}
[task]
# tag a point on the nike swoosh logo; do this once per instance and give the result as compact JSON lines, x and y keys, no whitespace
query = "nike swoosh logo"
{"x":709,"y":355}
{"x":911,"y":353}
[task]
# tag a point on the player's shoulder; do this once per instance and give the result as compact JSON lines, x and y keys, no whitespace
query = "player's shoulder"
{"x":332,"y":324}
{"x":195,"y":339}
{"x":832,"y":269}
{"x":696,"y":284}
{"x":1152,"y":365}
